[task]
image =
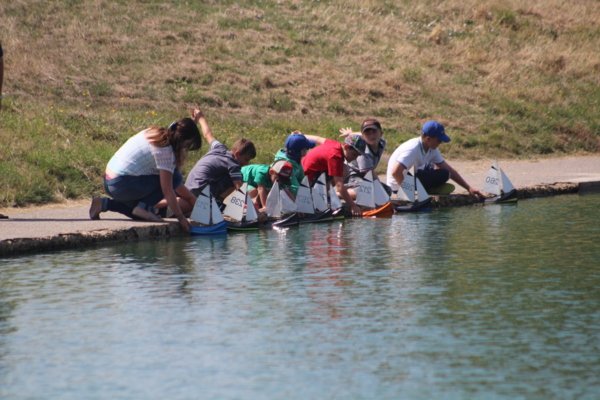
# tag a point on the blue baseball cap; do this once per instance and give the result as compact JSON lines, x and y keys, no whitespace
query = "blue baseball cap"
{"x":436,"y":130}
{"x":295,"y":143}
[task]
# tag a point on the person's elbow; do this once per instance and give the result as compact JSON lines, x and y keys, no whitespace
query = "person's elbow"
{"x":398,"y":176}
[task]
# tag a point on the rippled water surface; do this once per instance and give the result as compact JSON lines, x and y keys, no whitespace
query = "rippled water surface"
{"x":475,"y":302}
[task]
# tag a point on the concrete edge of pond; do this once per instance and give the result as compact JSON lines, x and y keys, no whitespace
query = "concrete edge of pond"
{"x":543,"y":190}
{"x":142,"y":231}
{"x":64,"y":241}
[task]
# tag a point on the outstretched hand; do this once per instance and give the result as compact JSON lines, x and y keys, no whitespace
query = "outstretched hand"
{"x":476,"y":193}
{"x":185,"y":224}
{"x":355,"y":210}
{"x":197,"y":114}
{"x":345,"y":132}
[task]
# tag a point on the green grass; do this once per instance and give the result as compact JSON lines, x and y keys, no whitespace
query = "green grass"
{"x":507,"y":79}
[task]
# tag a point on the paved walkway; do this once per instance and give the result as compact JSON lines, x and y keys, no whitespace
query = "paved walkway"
{"x":67,"y":225}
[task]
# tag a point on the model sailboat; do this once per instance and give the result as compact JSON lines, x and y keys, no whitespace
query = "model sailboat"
{"x":206,"y":216}
{"x":240,"y":210}
{"x":319,"y":194}
{"x":281,"y":207}
{"x":411,"y":190}
{"x":498,"y":184}
{"x":279,"y":203}
{"x":371,"y":194}
{"x":304,"y":199}
{"x":316,"y":203}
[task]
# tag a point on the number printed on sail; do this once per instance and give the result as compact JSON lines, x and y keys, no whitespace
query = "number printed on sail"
{"x":237,"y":201}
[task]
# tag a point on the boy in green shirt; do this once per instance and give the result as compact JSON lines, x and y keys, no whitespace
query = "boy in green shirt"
{"x":296,"y":146}
{"x":260,"y":179}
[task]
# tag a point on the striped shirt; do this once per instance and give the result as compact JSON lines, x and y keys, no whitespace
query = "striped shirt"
{"x":138,"y":157}
{"x":366,"y":162}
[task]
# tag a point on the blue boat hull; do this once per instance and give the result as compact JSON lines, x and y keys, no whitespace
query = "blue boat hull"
{"x":216,"y":229}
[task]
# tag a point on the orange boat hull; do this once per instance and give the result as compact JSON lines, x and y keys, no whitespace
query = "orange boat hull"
{"x":385,"y":211}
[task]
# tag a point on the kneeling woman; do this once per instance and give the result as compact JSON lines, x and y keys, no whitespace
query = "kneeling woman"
{"x":144,"y":176}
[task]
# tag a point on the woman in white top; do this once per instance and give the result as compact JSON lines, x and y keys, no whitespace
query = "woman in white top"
{"x":143,"y":176}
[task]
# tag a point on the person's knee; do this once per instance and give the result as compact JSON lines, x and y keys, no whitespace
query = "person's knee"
{"x":444,"y":175}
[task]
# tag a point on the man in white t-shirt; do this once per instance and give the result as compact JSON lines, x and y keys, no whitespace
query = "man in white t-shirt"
{"x":423,"y":154}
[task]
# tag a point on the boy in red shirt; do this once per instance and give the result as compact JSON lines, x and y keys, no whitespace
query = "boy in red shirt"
{"x":329,"y":157}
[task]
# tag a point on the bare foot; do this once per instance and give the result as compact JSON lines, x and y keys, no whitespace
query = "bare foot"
{"x":145,"y":215}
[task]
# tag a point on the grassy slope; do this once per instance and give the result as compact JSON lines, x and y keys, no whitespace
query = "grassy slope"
{"x":507,"y":79}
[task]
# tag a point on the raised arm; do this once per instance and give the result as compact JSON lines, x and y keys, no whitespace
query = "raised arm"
{"x":345,"y":132}
{"x":199,"y":118}
{"x":316,"y":139}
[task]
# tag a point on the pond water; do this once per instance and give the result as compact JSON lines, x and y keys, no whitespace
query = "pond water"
{"x":495,"y":302}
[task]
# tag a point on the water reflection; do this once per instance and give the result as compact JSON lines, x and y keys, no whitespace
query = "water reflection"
{"x":474,"y":302}
{"x":324,"y":272}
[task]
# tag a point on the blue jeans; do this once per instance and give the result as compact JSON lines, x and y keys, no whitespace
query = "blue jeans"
{"x":142,"y":191}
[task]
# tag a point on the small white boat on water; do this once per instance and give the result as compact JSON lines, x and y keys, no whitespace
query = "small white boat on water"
{"x":240,"y":210}
{"x":412,"y":192}
{"x":281,"y":209}
{"x":371,"y":194}
{"x":317,"y":203}
{"x":497,"y":183}
{"x":206,"y":216}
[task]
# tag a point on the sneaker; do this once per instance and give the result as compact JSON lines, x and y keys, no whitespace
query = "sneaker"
{"x":145,"y":215}
{"x":442,"y":190}
{"x":96,"y":208}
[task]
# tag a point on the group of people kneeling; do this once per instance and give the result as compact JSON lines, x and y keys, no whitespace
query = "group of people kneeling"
{"x":144,"y":181}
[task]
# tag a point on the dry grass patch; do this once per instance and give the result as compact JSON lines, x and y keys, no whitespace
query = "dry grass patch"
{"x":492,"y":69}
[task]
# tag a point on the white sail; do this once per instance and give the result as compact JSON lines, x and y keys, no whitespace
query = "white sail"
{"x":287,"y":204}
{"x":507,"y":185}
{"x":365,"y":192}
{"x":334,"y":200}
{"x":251,"y":214}
{"x":422,"y":194}
{"x":379,"y":193}
{"x":304,"y":201}
{"x":406,"y":190}
{"x":216,"y":215}
{"x":201,"y":211}
{"x":234,"y":205}
{"x":273,"y":202}
{"x":244,"y":187}
{"x":493,"y":180}
{"x":319,"y":194}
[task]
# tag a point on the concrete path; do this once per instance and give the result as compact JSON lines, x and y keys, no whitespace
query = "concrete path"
{"x":67,"y":225}
{"x":535,"y":172}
